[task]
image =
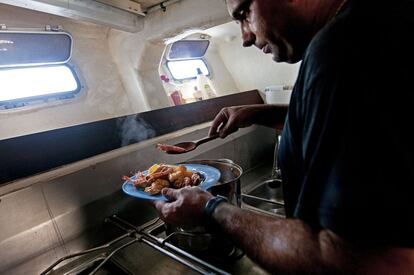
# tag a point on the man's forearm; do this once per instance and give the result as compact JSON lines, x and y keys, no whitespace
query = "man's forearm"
{"x":269,"y":115}
{"x":280,"y":245}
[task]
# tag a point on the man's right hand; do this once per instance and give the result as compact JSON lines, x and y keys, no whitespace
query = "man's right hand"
{"x":230,"y":119}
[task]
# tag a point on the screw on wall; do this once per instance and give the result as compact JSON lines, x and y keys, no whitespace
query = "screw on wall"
{"x":163,"y":8}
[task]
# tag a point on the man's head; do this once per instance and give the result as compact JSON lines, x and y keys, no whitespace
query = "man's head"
{"x":281,"y":27}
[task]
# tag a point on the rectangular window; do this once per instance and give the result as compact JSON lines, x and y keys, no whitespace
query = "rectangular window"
{"x":24,"y":86}
{"x":34,"y":67}
{"x":187,"y":69}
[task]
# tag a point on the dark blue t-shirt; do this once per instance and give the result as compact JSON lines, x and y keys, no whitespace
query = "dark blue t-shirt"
{"x":347,"y":151}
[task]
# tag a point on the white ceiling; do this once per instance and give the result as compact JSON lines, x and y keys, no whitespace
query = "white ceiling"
{"x":145,"y":4}
{"x":120,"y":14}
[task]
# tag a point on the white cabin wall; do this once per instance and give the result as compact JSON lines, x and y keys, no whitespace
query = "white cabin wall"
{"x":105,"y":95}
{"x":138,"y":55}
{"x":222,"y":80}
{"x":115,"y":66}
{"x":125,"y":50}
{"x":252,"y":69}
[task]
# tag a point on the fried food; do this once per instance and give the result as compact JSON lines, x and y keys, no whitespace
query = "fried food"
{"x":170,"y":148}
{"x":139,"y":181}
{"x":157,"y":186}
{"x":162,"y":172}
{"x":161,"y":176}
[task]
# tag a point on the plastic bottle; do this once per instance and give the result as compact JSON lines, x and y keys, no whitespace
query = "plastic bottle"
{"x":174,"y":95}
{"x":209,"y":91}
{"x":205,"y":86}
{"x":197,"y":94}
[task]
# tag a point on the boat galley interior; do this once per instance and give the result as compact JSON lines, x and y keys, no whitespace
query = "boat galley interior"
{"x":87,"y":91}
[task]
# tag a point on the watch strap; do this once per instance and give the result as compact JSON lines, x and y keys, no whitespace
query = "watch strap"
{"x":212,"y":204}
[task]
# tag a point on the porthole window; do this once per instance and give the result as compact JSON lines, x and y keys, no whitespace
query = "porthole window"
{"x":26,"y":86}
{"x":187,"y":69}
{"x":184,"y":70}
{"x":34,"y":67}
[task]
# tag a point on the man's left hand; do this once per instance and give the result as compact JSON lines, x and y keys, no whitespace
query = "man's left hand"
{"x":185,"y":206}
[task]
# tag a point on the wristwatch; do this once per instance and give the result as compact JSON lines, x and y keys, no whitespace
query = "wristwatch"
{"x":212,"y":204}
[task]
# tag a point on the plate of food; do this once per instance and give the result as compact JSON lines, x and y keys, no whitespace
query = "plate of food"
{"x":149,"y":183}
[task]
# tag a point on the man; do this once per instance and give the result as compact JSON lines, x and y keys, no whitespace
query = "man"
{"x":347,"y":153}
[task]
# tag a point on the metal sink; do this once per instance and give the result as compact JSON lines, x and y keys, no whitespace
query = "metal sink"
{"x":265,"y":197}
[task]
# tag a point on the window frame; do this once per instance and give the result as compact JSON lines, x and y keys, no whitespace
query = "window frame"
{"x":48,"y":100}
{"x":41,"y":32}
{"x":170,"y":48}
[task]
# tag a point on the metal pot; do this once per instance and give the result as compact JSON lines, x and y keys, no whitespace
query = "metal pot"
{"x":200,"y":239}
{"x":229,"y":183}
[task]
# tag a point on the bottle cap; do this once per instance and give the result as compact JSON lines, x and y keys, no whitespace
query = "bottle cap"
{"x":164,"y":78}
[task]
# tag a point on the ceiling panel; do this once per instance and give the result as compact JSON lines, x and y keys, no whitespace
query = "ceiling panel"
{"x":91,"y":11}
{"x":125,"y":15}
{"x":148,"y":3}
{"x":134,"y":6}
{"x":127,"y":5}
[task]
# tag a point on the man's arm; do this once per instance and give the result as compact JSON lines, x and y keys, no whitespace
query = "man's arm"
{"x":279,"y":245}
{"x":283,"y":245}
{"x":230,"y":119}
{"x":289,"y":246}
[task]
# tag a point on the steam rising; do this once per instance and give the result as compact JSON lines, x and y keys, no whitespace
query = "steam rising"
{"x":133,"y":129}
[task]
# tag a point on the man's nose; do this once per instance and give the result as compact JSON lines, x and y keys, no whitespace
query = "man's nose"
{"x":247,"y":35}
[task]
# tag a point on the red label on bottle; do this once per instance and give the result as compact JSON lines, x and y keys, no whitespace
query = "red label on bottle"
{"x":176,"y":97}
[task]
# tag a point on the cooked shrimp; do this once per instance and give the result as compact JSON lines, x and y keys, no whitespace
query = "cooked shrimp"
{"x":170,"y":148}
{"x":157,"y":186}
{"x":139,"y":181}
{"x":162,"y":174}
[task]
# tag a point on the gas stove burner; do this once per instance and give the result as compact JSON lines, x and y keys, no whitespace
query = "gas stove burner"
{"x":152,"y":234}
{"x":211,"y":244}
{"x":211,"y":247}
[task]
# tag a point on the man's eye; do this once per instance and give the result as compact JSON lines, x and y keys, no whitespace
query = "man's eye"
{"x":244,"y":11}
{"x":244,"y":14}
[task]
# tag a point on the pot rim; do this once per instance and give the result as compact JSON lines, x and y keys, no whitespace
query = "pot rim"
{"x":228,"y":162}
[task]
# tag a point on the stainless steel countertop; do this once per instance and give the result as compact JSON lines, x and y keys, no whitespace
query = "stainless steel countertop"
{"x":87,"y":222}
{"x":139,"y":258}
